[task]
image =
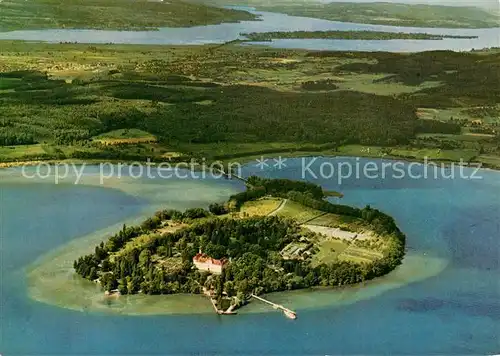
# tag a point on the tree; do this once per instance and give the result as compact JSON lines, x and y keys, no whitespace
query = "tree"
{"x":106,"y":265}
{"x":218,"y":209}
{"x":109,"y":282}
{"x":230,"y":288}
{"x":145,"y":258}
{"x":122,"y":286}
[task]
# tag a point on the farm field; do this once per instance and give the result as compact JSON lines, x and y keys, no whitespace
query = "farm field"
{"x":124,"y":136}
{"x":122,"y":102}
{"x":298,"y":212}
{"x":260,"y":207}
{"x":358,"y":254}
{"x":21,"y":151}
{"x":334,"y":220}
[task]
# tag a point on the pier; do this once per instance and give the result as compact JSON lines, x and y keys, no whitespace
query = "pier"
{"x":229,"y":175}
{"x":288,"y":312}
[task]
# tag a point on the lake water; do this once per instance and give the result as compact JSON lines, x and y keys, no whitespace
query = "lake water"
{"x":454,"y":311}
{"x":272,"y":22}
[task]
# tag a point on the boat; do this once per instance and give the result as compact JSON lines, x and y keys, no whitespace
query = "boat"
{"x":290,"y":314}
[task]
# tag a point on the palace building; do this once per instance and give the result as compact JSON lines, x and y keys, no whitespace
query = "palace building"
{"x":206,"y":263}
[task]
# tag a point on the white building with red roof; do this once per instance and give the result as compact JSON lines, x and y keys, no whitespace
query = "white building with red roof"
{"x":206,"y":263}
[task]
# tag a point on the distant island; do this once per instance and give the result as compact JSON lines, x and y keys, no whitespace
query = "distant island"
{"x":346,"y":35}
{"x":277,"y":235}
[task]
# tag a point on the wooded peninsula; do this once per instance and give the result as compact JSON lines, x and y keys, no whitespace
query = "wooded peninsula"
{"x":277,"y":235}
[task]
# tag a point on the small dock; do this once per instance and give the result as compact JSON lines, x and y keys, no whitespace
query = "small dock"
{"x":229,"y":175}
{"x":229,"y":311}
{"x":288,"y":312}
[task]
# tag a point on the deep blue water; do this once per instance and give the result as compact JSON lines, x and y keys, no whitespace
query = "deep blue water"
{"x":455,"y":312}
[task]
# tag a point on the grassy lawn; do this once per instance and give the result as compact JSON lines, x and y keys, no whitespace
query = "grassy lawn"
{"x":126,"y":133}
{"x":488,"y":114}
{"x":334,"y":220}
{"x":125,"y":136}
{"x":493,"y":161}
{"x":329,"y":251}
{"x":24,"y":151}
{"x":436,"y":154}
{"x":260,"y":207}
{"x":371,"y":83}
{"x":305,"y":70}
{"x":234,"y":149}
{"x":298,"y":212}
{"x":361,"y":151}
{"x":10,"y":83}
{"x":134,"y":243}
{"x":466,"y":137}
{"x":358,"y":254}
{"x":443,"y":114}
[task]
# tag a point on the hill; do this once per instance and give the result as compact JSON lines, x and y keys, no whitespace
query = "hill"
{"x":382,"y":13}
{"x":111,"y":14}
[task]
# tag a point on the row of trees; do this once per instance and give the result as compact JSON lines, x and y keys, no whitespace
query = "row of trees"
{"x":12,"y":138}
{"x":283,"y":186}
{"x":258,"y":187}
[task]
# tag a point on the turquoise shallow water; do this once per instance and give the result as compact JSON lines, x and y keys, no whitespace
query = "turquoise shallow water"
{"x":454,"y":312}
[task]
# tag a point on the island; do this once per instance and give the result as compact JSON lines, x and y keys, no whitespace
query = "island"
{"x":346,"y":35}
{"x":277,"y":235}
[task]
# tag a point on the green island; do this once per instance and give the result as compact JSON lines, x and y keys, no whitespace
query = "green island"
{"x":381,"y":13}
{"x":131,"y":103}
{"x":277,"y":235}
{"x":111,"y":14}
{"x":346,"y":35}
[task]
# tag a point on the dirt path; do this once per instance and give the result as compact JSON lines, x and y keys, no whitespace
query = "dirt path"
{"x":278,"y":209}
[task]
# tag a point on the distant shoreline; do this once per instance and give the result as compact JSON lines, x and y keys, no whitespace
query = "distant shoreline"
{"x":243,"y":159}
{"x":388,"y":14}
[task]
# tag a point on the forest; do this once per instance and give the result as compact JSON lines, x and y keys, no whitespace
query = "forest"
{"x":162,"y":264}
{"x":270,"y":100}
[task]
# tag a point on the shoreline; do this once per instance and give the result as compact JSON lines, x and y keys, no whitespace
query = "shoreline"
{"x":75,"y":293}
{"x":52,"y":280}
{"x":245,"y":159}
